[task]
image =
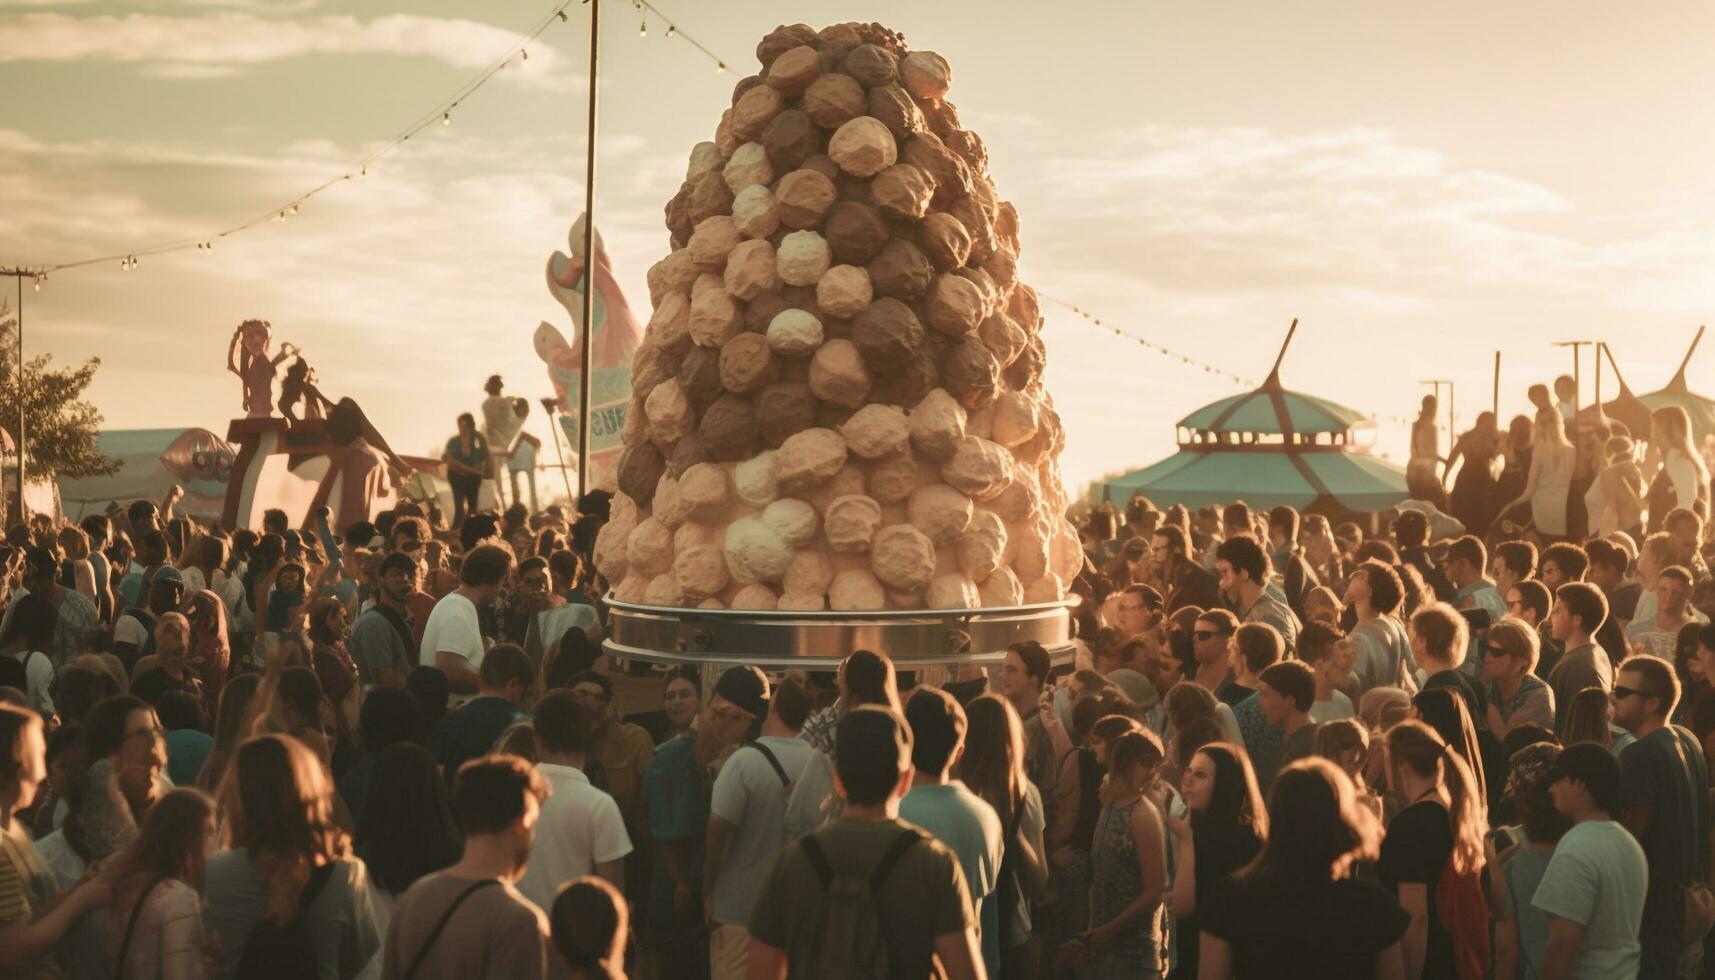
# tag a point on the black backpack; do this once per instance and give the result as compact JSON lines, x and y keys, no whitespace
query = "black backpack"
{"x":845,"y":939}
{"x":285,"y":952}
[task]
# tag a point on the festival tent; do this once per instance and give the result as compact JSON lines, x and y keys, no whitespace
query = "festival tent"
{"x":1625,"y":407}
{"x":150,"y":462}
{"x":1677,"y":392}
{"x":1268,"y":447}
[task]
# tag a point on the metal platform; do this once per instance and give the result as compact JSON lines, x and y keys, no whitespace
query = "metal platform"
{"x":784,"y":638}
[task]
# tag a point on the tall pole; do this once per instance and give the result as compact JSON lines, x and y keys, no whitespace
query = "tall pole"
{"x":1577,"y":374}
{"x":586,"y":361}
{"x":1495,"y":398}
{"x":23,"y":513}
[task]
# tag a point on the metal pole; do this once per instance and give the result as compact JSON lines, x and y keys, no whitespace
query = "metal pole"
{"x":586,"y":362}
{"x":1577,"y":373}
{"x":560,"y":454}
{"x":1495,"y":398}
{"x":23,"y":512}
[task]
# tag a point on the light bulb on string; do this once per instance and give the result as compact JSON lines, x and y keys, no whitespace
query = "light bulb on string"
{"x":643,"y":29}
{"x":447,"y":118}
{"x":720,"y":67}
{"x":669,"y":30}
{"x":560,"y":14}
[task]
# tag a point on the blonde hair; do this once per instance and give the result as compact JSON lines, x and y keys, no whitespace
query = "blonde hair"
{"x":1673,"y":424}
{"x":1550,"y":430}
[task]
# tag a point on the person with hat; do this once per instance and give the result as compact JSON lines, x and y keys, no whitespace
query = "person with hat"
{"x":1592,"y":891}
{"x":134,"y":633}
{"x":1519,"y":856}
{"x":677,"y":791}
{"x":381,"y":642}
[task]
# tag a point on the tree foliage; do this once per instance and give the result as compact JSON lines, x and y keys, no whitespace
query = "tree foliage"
{"x":59,"y":427}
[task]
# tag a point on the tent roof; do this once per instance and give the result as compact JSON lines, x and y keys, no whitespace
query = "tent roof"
{"x":1207,"y":477}
{"x":1273,"y":409}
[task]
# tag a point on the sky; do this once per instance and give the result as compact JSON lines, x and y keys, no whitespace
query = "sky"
{"x":1419,"y":186}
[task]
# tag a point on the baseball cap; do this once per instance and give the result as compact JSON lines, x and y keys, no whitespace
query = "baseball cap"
{"x":746,"y":687}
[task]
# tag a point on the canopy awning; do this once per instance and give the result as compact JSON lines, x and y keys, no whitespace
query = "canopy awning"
{"x":1306,"y":480}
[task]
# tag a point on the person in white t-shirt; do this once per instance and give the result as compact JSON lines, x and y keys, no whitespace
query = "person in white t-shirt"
{"x":747,"y":826}
{"x":1330,"y":654}
{"x":1593,"y":889}
{"x":452,"y":638}
{"x":580,"y":830}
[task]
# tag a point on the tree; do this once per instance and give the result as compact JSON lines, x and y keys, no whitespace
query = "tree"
{"x":59,"y":427}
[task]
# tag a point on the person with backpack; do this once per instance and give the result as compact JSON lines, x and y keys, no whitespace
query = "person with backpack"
{"x":868,"y":895}
{"x":152,"y":926}
{"x":946,"y":808}
{"x":747,"y":825}
{"x":470,"y":922}
{"x":287,"y":900}
{"x":1433,"y":853}
{"x":1665,"y":781}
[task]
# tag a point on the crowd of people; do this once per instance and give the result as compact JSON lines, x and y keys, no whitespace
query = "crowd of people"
{"x":1279,"y":747}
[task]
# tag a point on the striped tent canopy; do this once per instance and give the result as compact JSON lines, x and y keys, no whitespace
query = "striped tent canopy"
{"x":1268,"y":447}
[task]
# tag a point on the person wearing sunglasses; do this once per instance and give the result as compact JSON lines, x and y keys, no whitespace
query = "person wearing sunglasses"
{"x":1516,"y":696}
{"x":1211,"y":637}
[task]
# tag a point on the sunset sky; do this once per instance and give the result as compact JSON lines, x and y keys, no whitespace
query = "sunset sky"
{"x":1418,"y":184}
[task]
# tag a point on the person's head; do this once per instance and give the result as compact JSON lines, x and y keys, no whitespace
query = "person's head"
{"x":1415,"y":748}
{"x":1212,"y":636}
{"x":291,"y":578}
{"x":1169,"y":544}
{"x":124,"y":728}
{"x":1529,"y":601}
{"x":1445,"y":711}
{"x":1580,"y":609}
{"x":1282,"y":526}
{"x":23,"y":763}
{"x":507,"y":672}
{"x":1345,"y":742}
{"x":1563,"y":563}
{"x":1237,"y":518}
{"x":1672,"y":590}
{"x":1255,"y":647}
{"x":1381,"y":708}
{"x":790,"y":705}
{"x":1528,"y":792}
{"x":176,"y":838}
{"x":1242,"y":564}
{"x":937,"y":731}
{"x":565,"y":568}
{"x":1139,"y":608}
{"x":328,"y":620}
{"x":166,"y":590}
{"x":1466,"y":560}
{"x":1317,"y":828}
{"x":498,"y":797}
{"x":590,"y":921}
{"x":1548,"y":433}
{"x":1584,"y":781}
{"x":1645,"y":693}
{"x":466,"y":424}
{"x":1685,"y":530}
{"x":992,"y":764}
{"x":1322,"y":605}
{"x":406,"y":828}
{"x":872,"y":756}
{"x":1220,"y":788}
{"x":1024,"y":672}
{"x":1589,"y":718}
{"x":34,"y":619}
{"x":485,"y":567}
{"x":867,"y":677}
{"x":401,"y":576}
{"x":563,"y":724}
{"x":594,"y":690}
{"x":1410,"y":529}
{"x":1655,"y":554}
{"x":1670,"y":428}
{"x":1510,"y":650}
{"x":682,"y":699}
{"x":1327,"y":651}
{"x":387,"y":717}
{"x":98,"y":530}
{"x":278,"y":806}
{"x":180,"y":710}
{"x":1286,"y":691}
{"x":1439,"y":637}
{"x":1376,"y":586}
{"x":1135,"y":758}
{"x":739,"y":700}
{"x":492,"y":386}
{"x":1514,"y":562}
{"x":1607,"y":568}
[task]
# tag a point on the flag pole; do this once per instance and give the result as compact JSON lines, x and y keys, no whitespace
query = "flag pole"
{"x":586,"y":361}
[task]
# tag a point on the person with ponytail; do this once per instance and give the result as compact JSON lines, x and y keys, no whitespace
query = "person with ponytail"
{"x":1296,"y":910}
{"x":590,"y":921}
{"x":1433,"y":853}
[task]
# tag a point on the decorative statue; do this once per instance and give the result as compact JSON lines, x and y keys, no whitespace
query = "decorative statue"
{"x":247,"y":357}
{"x":347,"y":426}
{"x":616,"y":334}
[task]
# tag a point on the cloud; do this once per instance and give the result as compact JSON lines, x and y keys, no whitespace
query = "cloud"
{"x":196,"y":45}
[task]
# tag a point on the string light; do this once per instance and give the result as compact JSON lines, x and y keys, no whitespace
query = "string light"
{"x":518,"y":50}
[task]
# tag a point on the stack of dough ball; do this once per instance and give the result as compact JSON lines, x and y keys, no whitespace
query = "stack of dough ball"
{"x":838,"y":403}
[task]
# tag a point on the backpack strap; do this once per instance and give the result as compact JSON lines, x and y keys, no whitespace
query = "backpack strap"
{"x":446,"y":917}
{"x":818,"y":859}
{"x":131,"y":927}
{"x":906,"y":840}
{"x":773,"y":760}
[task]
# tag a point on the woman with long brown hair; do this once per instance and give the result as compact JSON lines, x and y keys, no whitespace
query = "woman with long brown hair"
{"x":1295,"y":910}
{"x":1223,"y":831}
{"x":229,"y":729}
{"x":992,"y":767}
{"x":287,"y":858}
{"x":1435,"y":842}
{"x":152,"y":926}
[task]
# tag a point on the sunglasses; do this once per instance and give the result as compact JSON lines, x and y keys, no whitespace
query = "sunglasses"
{"x":1622,"y":692}
{"x":1205,"y":634}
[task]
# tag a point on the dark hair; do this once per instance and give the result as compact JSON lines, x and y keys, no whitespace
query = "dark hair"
{"x":104,"y":726}
{"x":565,"y":564}
{"x":229,"y":716}
{"x":1192,"y":737}
{"x":1036,"y":660}
{"x":33,"y":618}
{"x":1317,"y":640}
{"x":1586,"y":602}
{"x":1245,"y":555}
{"x":531,"y":564}
{"x":180,"y":710}
{"x":1535,"y":595}
{"x":1445,"y":710}
{"x":320,"y":610}
{"x":937,"y":729}
{"x":141,"y":510}
{"x":406,"y":829}
{"x":869,"y":680}
{"x":504,"y":663}
{"x":1414,"y":745}
{"x":1177,"y":541}
{"x":1386,"y":590}
{"x":1235,"y":802}
{"x":429,"y":686}
{"x":791,"y":703}
{"x":1677,"y":572}
{"x":485,"y":565}
{"x":389,"y":716}
{"x":300,"y":688}
{"x":1469,"y":549}
{"x":562,"y":723}
{"x":475,"y":528}
{"x":1138,"y":747}
{"x":489,"y":793}
{"x":1410,"y":529}
{"x":1659,"y":678}
{"x":1606,"y":554}
{"x":279,"y":808}
{"x":1526,"y":735}
{"x":1260,"y":645}
{"x":1226,"y":622}
{"x":590,"y":919}
{"x":1292,"y":680}
{"x":1569,"y":558}
{"x":79,"y":689}
{"x":1284,"y":518}
{"x":1518,"y":556}
{"x":1595,"y":767}
{"x":690,"y":674}
{"x":1317,"y":829}
{"x":872,"y":749}
{"x":595,"y":677}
